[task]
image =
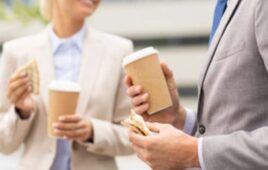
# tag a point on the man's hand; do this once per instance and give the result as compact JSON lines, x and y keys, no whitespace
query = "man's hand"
{"x":168,"y":149}
{"x":73,"y":128}
{"x":174,"y":115}
{"x":19,"y":93}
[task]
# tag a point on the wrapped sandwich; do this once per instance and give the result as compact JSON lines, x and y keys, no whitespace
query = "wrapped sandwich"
{"x":31,"y":69}
{"x":136,"y":123}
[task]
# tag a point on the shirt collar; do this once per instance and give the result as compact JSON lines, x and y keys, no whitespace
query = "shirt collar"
{"x":77,"y":39}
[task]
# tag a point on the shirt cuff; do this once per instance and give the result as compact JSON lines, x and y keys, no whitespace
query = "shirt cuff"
{"x":200,"y":153}
{"x":189,"y":121}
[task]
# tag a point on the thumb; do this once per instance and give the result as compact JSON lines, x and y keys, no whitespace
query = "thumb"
{"x":169,"y":76}
{"x":128,"y":81}
{"x":155,"y":127}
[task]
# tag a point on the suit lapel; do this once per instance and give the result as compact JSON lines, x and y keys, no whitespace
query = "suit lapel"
{"x":90,"y":65}
{"x":229,"y":13}
{"x":44,"y":59}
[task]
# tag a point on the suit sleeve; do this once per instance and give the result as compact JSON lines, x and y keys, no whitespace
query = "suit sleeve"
{"x":242,"y":150}
{"x":13,"y":130}
{"x":110,"y":138}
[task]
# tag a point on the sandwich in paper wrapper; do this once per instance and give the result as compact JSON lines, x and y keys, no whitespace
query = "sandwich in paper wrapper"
{"x":31,"y":69}
{"x":136,"y":124}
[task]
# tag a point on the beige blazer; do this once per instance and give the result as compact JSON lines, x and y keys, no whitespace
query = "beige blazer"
{"x":103,"y":100}
{"x":233,"y":91}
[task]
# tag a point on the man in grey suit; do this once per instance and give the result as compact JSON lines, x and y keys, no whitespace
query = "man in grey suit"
{"x":230,"y":130}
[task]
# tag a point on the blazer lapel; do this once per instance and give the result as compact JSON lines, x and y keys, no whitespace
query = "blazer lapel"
{"x":90,"y":66}
{"x":45,"y":63}
{"x":229,"y":13}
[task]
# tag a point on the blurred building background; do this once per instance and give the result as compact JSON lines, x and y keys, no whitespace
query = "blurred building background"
{"x":178,"y":28}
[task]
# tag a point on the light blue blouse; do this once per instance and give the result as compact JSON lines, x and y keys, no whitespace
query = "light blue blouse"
{"x":67,"y":54}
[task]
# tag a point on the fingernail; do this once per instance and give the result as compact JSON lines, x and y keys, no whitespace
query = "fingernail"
{"x":22,"y":74}
{"x":138,"y":88}
{"x":61,"y":118}
{"x":54,"y":125}
{"x":145,"y":96}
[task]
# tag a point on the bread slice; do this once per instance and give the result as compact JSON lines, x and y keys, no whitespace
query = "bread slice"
{"x":31,"y":68}
{"x":136,"y":124}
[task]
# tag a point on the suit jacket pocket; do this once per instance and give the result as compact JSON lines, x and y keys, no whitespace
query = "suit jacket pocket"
{"x":230,"y":51}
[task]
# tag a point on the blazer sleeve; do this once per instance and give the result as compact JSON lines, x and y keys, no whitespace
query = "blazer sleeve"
{"x":243,"y":150}
{"x":13,"y":130}
{"x":110,"y":138}
{"x":240,"y":150}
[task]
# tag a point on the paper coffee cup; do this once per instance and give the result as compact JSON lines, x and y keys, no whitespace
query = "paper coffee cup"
{"x":144,"y":68}
{"x":63,"y":98}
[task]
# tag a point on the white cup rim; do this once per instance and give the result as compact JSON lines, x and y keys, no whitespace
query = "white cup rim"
{"x":64,"y":86}
{"x":139,"y":55}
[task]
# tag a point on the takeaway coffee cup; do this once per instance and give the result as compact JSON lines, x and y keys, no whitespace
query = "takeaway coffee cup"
{"x":63,"y":97}
{"x":144,"y":68}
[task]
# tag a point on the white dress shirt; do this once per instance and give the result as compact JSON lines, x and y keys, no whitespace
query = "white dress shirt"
{"x":188,"y":128}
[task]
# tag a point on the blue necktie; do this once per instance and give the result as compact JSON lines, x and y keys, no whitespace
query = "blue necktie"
{"x":219,"y":11}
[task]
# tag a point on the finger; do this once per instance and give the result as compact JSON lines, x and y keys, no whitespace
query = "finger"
{"x":140,"y":152}
{"x":79,"y":135}
{"x":155,"y":127}
{"x":166,"y":70}
{"x":68,"y":126}
{"x":70,"y":119}
{"x":138,"y":149}
{"x":16,"y":76}
{"x":27,"y":93}
{"x":135,"y":130}
{"x":59,"y":133}
{"x":169,"y":76}
{"x":137,"y":140}
{"x":62,"y":133}
{"x":141,"y":109}
{"x":14,"y":85}
{"x":18,"y":94}
{"x":71,"y":135}
{"x":134,"y":90}
{"x":143,"y":159}
{"x":138,"y":100}
{"x":128,"y":81}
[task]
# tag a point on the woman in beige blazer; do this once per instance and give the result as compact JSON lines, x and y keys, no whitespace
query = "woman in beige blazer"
{"x":66,"y":50}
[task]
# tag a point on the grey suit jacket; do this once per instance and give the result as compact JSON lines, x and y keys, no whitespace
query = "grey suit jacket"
{"x":233,"y":90}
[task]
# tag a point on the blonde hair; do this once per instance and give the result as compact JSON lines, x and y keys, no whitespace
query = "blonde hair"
{"x":46,"y":9}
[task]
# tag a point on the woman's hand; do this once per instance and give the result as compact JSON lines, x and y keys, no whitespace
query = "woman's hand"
{"x":19,"y":93}
{"x":73,"y":127}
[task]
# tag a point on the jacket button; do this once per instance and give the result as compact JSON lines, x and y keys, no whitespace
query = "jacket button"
{"x":202,"y":129}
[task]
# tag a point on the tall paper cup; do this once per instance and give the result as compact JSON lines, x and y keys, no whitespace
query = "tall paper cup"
{"x":144,"y":68}
{"x":63,"y":97}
